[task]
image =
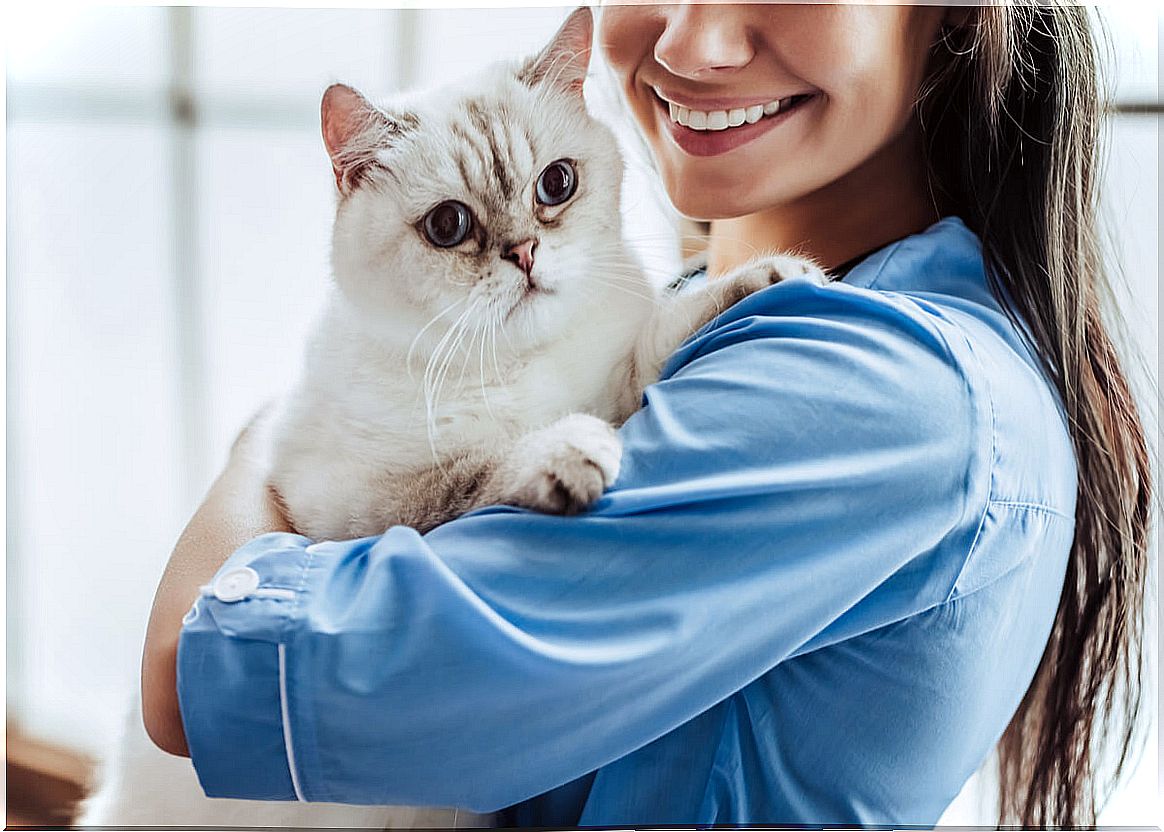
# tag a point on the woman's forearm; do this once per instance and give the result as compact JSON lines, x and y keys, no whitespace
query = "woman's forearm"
{"x":237,"y":508}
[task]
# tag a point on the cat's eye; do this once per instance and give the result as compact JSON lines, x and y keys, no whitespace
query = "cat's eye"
{"x":448,"y":224}
{"x":557,"y":183}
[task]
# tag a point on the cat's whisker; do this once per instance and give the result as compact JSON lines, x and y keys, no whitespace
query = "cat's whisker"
{"x":647,"y":271}
{"x":630,"y":278}
{"x":435,"y":380}
{"x":437,"y":370}
{"x":437,"y":355}
{"x":468,"y":353}
{"x":626,"y":290}
{"x":481,"y":371}
{"x":627,"y":282}
{"x":602,"y":270}
{"x":494,"y":323}
{"x":420,"y":334}
{"x":754,"y":250}
{"x":505,"y":331}
{"x":455,"y":348}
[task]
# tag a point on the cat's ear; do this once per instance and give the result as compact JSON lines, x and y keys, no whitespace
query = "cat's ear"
{"x":565,"y":60}
{"x":354,"y":130}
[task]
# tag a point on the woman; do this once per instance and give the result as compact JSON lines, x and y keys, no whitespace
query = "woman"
{"x":863,"y":532}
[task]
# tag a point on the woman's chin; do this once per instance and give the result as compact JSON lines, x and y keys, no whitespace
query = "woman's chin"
{"x":714,"y":195}
{"x":705,"y":205}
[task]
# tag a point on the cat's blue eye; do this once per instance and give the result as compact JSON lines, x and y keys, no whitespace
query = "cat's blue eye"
{"x":557,"y":183}
{"x":448,"y":224}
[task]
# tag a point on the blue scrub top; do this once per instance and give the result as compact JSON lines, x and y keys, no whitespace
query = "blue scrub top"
{"x":816,"y":593}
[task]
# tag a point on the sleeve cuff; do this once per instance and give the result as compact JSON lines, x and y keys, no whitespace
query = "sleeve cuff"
{"x":231,"y":685}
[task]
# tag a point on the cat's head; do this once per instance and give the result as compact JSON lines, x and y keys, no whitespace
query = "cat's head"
{"x":496,"y":200}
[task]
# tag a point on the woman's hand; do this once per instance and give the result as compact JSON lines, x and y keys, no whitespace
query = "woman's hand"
{"x":238,"y":507}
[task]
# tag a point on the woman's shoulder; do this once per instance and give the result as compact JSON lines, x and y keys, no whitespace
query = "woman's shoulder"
{"x":903,"y":290}
{"x":912,"y":340}
{"x":871,"y":363}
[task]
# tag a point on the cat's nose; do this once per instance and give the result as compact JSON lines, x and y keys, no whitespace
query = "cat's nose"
{"x":520,"y":254}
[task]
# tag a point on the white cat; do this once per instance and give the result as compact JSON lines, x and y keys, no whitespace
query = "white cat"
{"x":486,"y":331}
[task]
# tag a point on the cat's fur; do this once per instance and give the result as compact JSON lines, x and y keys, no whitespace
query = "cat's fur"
{"x":436,"y":381}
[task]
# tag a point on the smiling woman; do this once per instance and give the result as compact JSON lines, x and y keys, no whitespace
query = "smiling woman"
{"x":928,"y":114}
{"x":899,"y":441}
{"x":846,"y":545}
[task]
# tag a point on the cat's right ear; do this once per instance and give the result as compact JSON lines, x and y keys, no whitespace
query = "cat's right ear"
{"x":354,"y":130}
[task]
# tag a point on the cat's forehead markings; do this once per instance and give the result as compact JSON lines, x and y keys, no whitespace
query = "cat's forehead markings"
{"x":529,"y":140}
{"x":522,"y":143}
{"x":472,"y":163}
{"x":491,"y":141}
{"x":462,"y":140}
{"x":496,"y":160}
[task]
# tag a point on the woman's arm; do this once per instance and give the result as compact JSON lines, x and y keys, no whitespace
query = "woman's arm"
{"x":237,"y":508}
{"x":806,"y":471}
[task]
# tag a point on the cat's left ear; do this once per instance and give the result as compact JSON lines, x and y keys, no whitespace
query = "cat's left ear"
{"x":565,"y":60}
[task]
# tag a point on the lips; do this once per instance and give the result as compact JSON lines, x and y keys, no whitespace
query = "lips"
{"x":720,"y":128}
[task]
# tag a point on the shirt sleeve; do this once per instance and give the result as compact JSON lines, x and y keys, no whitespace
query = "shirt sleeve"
{"x":806,"y":470}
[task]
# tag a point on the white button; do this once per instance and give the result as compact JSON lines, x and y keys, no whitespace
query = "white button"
{"x":236,"y":584}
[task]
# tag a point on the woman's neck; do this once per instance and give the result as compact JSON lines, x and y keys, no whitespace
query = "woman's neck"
{"x":883,"y":200}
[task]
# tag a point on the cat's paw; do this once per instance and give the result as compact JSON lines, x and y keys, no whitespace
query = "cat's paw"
{"x":761,"y":273}
{"x":775,"y":268}
{"x":564,"y":468}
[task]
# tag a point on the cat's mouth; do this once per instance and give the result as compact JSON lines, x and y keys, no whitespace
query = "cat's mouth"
{"x":534,"y":290}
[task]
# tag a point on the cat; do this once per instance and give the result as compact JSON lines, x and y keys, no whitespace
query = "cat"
{"x":487,"y":330}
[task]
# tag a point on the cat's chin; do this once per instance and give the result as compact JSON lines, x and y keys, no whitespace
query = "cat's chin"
{"x":538,"y":317}
{"x":525,"y":304}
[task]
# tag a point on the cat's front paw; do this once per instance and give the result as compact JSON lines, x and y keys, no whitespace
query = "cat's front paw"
{"x":775,"y":268}
{"x":564,"y":468}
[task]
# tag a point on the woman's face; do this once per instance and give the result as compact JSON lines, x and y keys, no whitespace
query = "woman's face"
{"x":845,"y":78}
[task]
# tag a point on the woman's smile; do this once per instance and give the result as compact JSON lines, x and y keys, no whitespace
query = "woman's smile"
{"x":711,"y":126}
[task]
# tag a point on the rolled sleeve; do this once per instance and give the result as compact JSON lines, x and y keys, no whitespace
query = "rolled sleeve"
{"x":808,"y":469}
{"x":231,"y":685}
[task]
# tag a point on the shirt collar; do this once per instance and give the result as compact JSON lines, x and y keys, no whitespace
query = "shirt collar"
{"x":945,"y":251}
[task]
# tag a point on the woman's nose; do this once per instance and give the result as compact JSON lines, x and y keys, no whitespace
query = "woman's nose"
{"x":702,"y":41}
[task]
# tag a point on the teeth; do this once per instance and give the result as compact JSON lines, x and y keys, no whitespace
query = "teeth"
{"x":722,"y":119}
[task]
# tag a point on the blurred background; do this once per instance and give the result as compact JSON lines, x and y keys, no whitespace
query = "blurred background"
{"x":169,"y":204}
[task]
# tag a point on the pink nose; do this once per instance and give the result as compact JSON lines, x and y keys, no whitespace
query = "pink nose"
{"x":520,"y":254}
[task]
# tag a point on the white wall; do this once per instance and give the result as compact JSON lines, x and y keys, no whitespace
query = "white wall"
{"x":161,"y":278}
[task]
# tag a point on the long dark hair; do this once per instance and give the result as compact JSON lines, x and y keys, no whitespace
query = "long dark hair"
{"x":1011,"y":118}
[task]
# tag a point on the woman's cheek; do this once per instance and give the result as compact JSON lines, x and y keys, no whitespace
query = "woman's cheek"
{"x":624,"y":36}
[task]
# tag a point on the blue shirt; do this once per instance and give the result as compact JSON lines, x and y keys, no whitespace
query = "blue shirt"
{"x":816,"y":593}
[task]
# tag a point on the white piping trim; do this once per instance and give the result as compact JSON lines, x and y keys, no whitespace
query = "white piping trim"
{"x":207,"y":591}
{"x":272,"y":592}
{"x":287,"y":744}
